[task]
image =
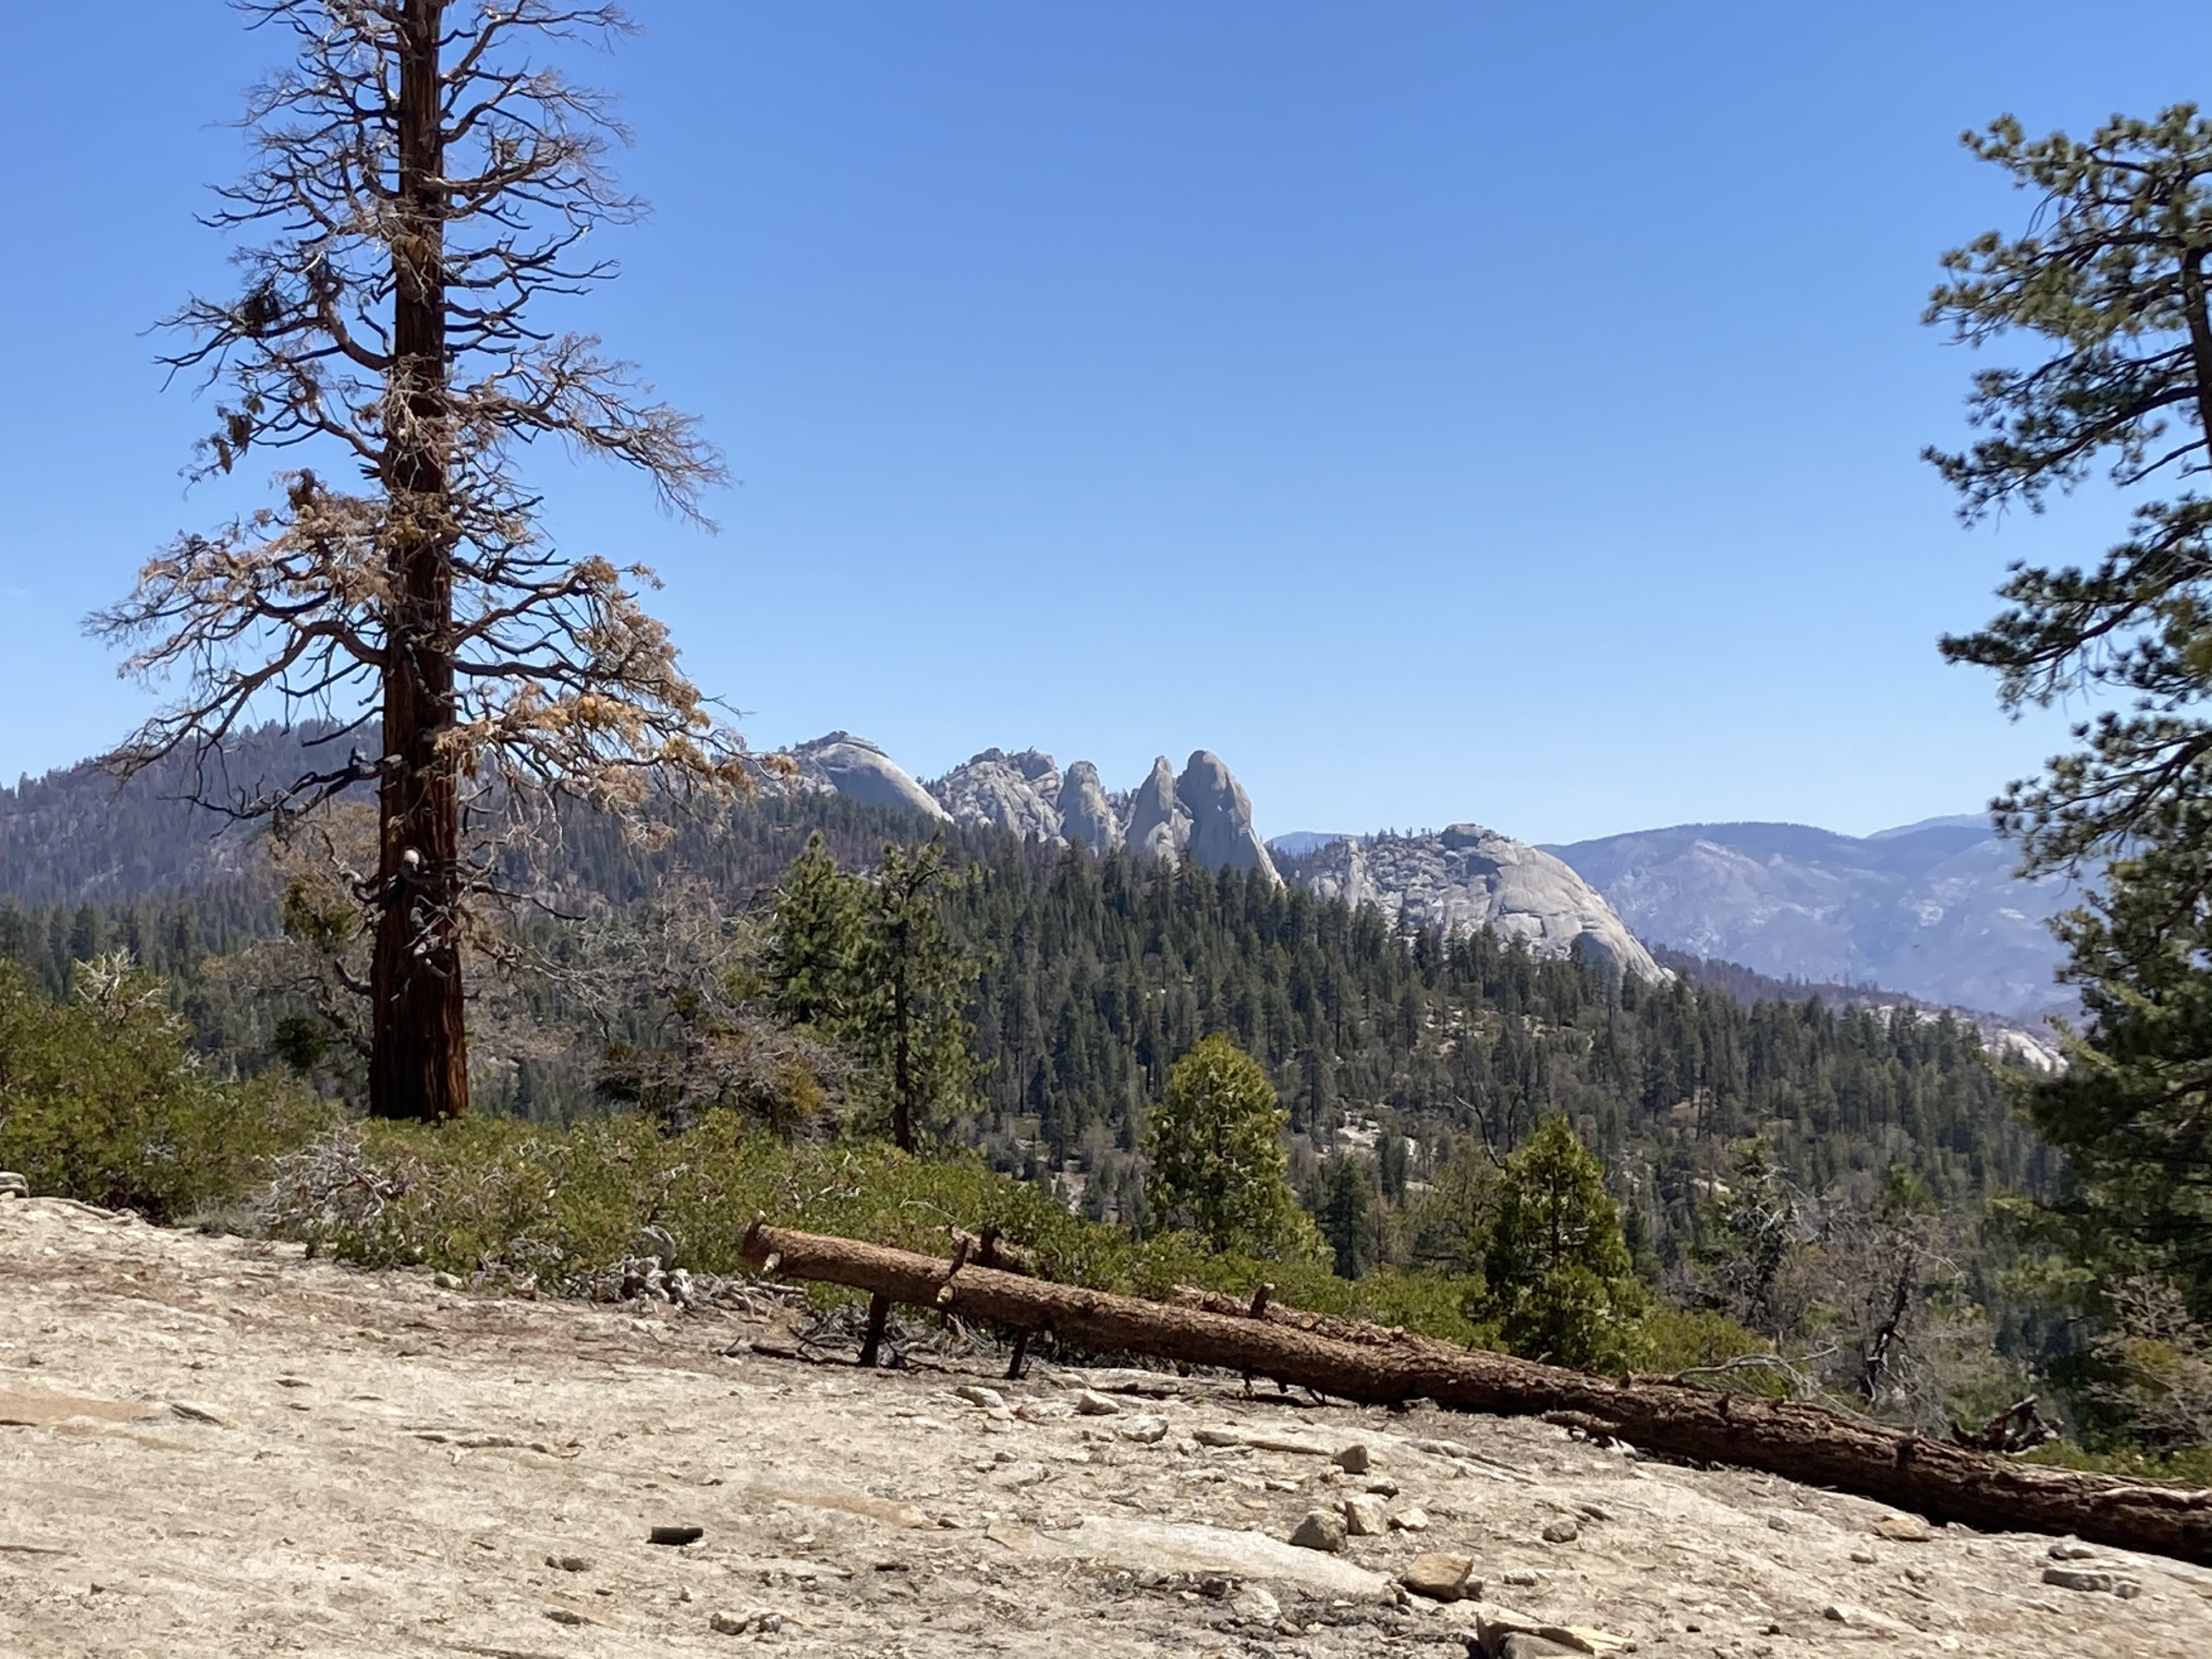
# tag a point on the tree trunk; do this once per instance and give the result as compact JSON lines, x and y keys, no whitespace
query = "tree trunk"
{"x":418,"y":1053}
{"x":1360,"y":1361}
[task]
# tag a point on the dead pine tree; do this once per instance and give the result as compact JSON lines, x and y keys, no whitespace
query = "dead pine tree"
{"x":420,"y":185}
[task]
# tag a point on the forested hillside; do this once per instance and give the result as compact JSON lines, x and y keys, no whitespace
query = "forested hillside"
{"x":1403,"y":1051}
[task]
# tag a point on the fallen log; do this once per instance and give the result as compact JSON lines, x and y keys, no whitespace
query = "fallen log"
{"x":1805,"y":1443}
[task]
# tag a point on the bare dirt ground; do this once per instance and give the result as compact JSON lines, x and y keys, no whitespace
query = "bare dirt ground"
{"x":210,"y":1446}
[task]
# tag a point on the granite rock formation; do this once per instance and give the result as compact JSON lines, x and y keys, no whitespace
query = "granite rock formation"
{"x":1157,"y":826}
{"x":1468,"y":878}
{"x":1018,"y":794}
{"x":1221,"y":835}
{"x":854,"y":765}
{"x":1085,"y":813}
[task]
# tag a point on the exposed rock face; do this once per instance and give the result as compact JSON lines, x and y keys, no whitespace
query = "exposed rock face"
{"x":854,"y":765}
{"x":1086,"y":814}
{"x":1220,"y":815}
{"x":1018,"y":794}
{"x":1932,"y":909}
{"x":1468,"y":878}
{"x":1157,"y":826}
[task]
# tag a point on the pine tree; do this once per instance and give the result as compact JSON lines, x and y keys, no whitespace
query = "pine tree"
{"x":1561,"y":1285}
{"x":2112,"y":276}
{"x":815,"y":939}
{"x":1216,"y":1150}
{"x":911,"y":986}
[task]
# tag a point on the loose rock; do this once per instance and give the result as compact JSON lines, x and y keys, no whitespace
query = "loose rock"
{"x":1414,"y":1519}
{"x":1441,"y":1577}
{"x":2070,"y":1549}
{"x":1521,"y":1644}
{"x":1091,"y":1403}
{"x":1354,"y":1459}
{"x":1363,"y":1516}
{"x":1322,"y":1530}
{"x":568,"y":1563}
{"x":1562,"y":1531}
{"x":1902,"y":1529}
{"x":1144,"y":1431}
{"x":1255,"y":1606}
{"x":13,"y":1185}
{"x":676,"y":1536}
{"x":2093,"y":1579}
{"x":976,"y":1394}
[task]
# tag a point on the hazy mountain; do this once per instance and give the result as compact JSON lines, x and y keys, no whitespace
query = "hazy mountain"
{"x":1932,"y":909}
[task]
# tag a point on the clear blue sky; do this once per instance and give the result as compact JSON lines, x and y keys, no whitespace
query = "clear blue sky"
{"x":1441,"y":410}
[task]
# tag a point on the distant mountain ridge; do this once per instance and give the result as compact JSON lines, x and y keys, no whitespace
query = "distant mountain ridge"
{"x":1931,"y":909}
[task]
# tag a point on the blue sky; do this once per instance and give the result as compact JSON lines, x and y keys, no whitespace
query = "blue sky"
{"x":1443,"y":411}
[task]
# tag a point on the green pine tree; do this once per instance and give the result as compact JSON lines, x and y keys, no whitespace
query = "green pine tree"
{"x":2110,"y":281}
{"x":1216,"y":1150}
{"x":1560,"y":1286}
{"x":815,"y":939}
{"x":911,"y":985}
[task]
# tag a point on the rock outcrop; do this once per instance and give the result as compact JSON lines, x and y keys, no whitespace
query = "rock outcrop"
{"x":1469,"y":878}
{"x":1157,"y":827}
{"x":1085,"y":813}
{"x":1018,"y":794}
{"x":1220,"y":815}
{"x":856,"y":768}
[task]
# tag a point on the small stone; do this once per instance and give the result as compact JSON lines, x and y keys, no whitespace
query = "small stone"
{"x":13,"y":1185}
{"x":1384,"y":1488}
{"x":722,"y":1624}
{"x":675,"y":1537}
{"x":1521,"y":1578}
{"x":446,"y":1281}
{"x":1780,"y":1523}
{"x":1255,"y":1606}
{"x":1322,"y":1530}
{"x":192,"y":1413}
{"x":1354,"y":1459}
{"x":976,"y":1394}
{"x":1441,"y":1577}
{"x":1564,"y":1530}
{"x":564,"y":1616}
{"x":1837,"y":1613}
{"x":1525,"y":1644}
{"x":1144,"y":1431}
{"x":1902,"y":1529}
{"x":1363,"y":1516}
{"x":2070,"y":1549}
{"x":568,"y":1563}
{"x":2092,"y":1579}
{"x":1412,"y":1519}
{"x":1865,"y":1557}
{"x":1091,"y":1403}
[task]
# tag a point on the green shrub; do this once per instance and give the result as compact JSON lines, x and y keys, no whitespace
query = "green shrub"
{"x":1674,"y":1340}
{"x":101,"y":1101}
{"x":2190,"y":1466}
{"x":533,"y":1202}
